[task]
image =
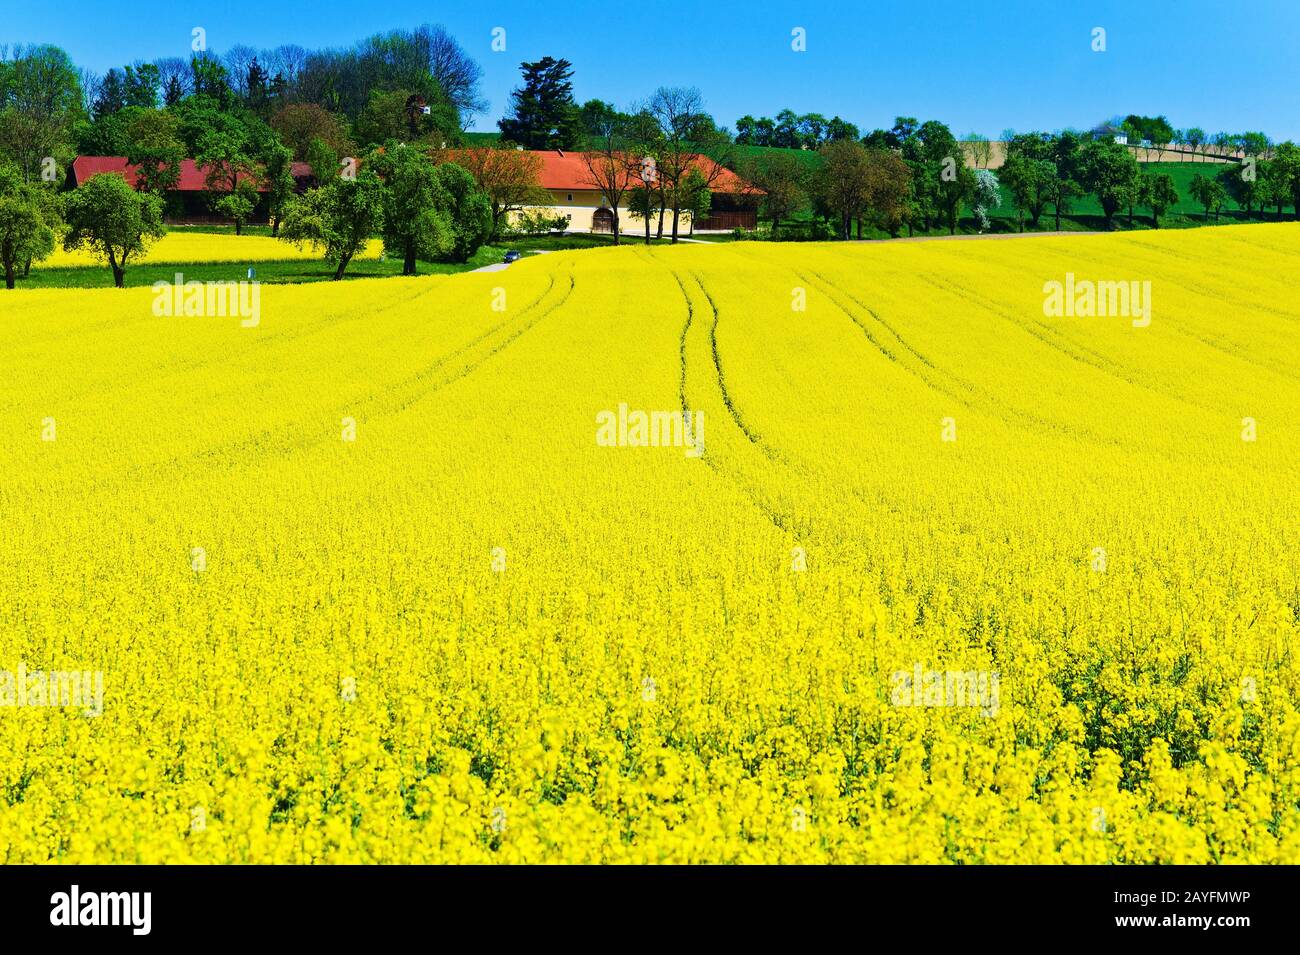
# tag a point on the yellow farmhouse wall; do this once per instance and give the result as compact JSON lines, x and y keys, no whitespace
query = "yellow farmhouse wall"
{"x":581,"y":204}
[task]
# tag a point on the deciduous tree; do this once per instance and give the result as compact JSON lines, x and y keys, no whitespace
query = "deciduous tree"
{"x":338,"y":218}
{"x":510,"y":177}
{"x":25,"y":233}
{"x":417,"y":224}
{"x":779,"y":182}
{"x":113,"y":221}
{"x":299,"y":123}
{"x":1158,"y":192}
{"x":1109,"y":171}
{"x":841,"y":182}
{"x":469,"y":211}
{"x":687,"y":140}
{"x":1209,"y":192}
{"x":155,"y":149}
{"x":609,"y":161}
{"x":889,"y":187}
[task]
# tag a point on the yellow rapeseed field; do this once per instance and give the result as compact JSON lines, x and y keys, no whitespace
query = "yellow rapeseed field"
{"x":183,"y":246}
{"x":368,"y":582}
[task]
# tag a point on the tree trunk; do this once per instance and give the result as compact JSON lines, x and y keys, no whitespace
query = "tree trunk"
{"x":1058,"y":218}
{"x":616,"y":223}
{"x":27,"y":267}
{"x":647,"y":228}
{"x":408,"y":263}
{"x":676,"y":216}
{"x":119,"y":276}
{"x":275,"y":227}
{"x":343,"y":264}
{"x":238,"y":228}
{"x":9,"y":273}
{"x":659,"y":234}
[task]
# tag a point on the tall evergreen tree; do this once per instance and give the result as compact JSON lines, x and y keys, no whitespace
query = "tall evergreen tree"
{"x":544,"y":114}
{"x":256,"y":83}
{"x":173,"y":92}
{"x":112,"y":95}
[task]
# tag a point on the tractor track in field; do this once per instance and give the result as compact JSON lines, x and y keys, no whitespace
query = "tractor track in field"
{"x":754,"y":437}
{"x":975,"y":398}
{"x":1093,"y":358}
{"x":254,"y":341}
{"x":681,"y":344}
{"x":501,"y":346}
{"x":802,"y":528}
{"x":1258,"y":304}
{"x":267,"y":441}
{"x":1191,"y":285}
{"x":831,"y":290}
{"x":805,"y":528}
{"x":1209,"y":293}
{"x":780,"y":521}
{"x":1054,"y":340}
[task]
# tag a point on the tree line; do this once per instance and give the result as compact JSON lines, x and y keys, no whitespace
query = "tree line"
{"x":423,"y":208}
{"x":247,"y":116}
{"x":915,"y":176}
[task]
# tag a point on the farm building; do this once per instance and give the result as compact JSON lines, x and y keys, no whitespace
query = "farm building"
{"x":566,"y":177}
{"x":574,"y":193}
{"x":191,"y":200}
{"x":563,"y":174}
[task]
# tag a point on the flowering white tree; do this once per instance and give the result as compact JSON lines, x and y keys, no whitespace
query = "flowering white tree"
{"x":987,"y":196}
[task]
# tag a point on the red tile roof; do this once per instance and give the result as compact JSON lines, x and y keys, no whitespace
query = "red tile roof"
{"x":193,"y":178}
{"x":567,"y":171}
{"x":561,"y":171}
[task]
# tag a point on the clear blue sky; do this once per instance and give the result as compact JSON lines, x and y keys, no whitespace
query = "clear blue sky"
{"x":1218,"y":64}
